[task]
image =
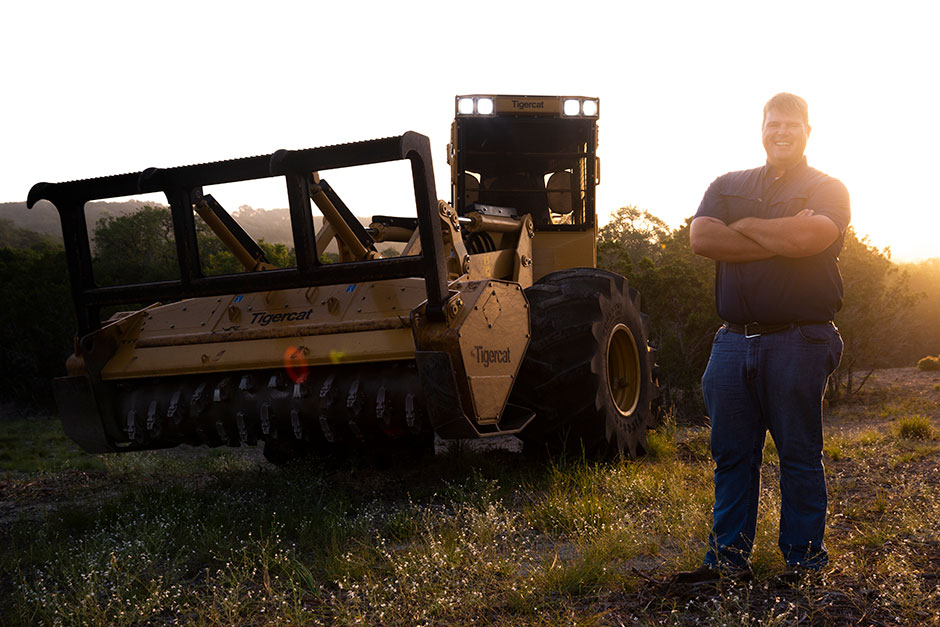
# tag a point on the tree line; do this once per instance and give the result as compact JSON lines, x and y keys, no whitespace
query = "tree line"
{"x":271,"y":225}
{"x":891,"y":314}
{"x":37,"y":317}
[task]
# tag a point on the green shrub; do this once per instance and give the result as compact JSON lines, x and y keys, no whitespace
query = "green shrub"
{"x":929,"y":363}
{"x":916,"y":427}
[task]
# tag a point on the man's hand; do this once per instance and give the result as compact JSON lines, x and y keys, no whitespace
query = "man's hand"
{"x":802,"y":235}
{"x":712,"y":238}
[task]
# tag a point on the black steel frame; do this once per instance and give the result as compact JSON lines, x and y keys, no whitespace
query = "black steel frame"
{"x":183,"y":185}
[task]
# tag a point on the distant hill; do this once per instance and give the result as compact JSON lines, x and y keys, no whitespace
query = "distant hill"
{"x":44,"y":219}
{"x":271,"y":225}
{"x":12,"y":236}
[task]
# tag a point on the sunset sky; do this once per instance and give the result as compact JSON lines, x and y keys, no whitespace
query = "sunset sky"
{"x":100,"y":88}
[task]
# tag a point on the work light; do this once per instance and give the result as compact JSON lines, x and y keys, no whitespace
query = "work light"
{"x":465,"y":106}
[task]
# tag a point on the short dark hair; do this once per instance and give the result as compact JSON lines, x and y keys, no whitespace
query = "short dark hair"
{"x":788,"y":103}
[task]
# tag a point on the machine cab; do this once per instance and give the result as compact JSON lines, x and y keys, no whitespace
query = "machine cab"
{"x":535,"y":155}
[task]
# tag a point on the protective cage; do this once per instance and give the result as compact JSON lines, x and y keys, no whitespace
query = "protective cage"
{"x":182,"y":186}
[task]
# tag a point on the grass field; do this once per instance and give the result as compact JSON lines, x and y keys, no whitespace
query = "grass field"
{"x":220,"y":537}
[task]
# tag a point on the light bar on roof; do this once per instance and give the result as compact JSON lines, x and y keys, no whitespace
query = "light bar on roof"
{"x":561,"y":106}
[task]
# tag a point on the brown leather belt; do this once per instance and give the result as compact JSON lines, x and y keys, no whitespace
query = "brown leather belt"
{"x":753,"y":329}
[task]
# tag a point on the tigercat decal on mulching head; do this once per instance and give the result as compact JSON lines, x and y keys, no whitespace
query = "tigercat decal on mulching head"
{"x":264,"y":318}
{"x":487,"y":357}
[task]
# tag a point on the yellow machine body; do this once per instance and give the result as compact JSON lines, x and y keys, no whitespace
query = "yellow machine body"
{"x":369,"y":350}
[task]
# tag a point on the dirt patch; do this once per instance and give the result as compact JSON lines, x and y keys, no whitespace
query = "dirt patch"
{"x":886,"y":394}
{"x":923,"y":384}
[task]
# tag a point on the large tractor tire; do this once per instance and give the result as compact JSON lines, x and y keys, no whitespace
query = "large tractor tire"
{"x":588,"y":372}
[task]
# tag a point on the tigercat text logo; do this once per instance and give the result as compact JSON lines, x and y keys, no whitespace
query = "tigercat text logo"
{"x":525,"y":105}
{"x":487,"y":357}
{"x":264,"y":318}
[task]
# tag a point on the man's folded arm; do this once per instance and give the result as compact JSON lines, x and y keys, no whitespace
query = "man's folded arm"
{"x":802,"y":235}
{"x":712,"y":238}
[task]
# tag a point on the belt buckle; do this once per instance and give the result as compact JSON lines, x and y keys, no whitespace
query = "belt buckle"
{"x":749,"y":335}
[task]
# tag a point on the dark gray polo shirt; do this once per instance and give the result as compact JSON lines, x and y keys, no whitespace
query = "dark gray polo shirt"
{"x":779,"y":289}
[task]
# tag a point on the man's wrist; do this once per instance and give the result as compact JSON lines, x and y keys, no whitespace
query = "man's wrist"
{"x":741,"y":226}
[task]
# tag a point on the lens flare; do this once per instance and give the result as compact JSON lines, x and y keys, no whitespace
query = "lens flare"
{"x":294,"y":363}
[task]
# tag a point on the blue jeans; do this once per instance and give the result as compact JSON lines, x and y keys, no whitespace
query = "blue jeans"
{"x":769,"y":382}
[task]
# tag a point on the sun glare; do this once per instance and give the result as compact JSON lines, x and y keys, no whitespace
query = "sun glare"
{"x":884,"y":178}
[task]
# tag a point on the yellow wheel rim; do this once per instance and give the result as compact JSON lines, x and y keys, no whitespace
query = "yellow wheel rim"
{"x":623,"y":370}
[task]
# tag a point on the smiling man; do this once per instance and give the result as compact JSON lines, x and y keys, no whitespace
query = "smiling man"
{"x":775,"y":233}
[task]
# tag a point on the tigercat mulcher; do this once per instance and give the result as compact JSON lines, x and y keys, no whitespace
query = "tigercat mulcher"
{"x":493,"y":320}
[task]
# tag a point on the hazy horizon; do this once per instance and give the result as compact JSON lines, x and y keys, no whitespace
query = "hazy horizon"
{"x":99,"y":89}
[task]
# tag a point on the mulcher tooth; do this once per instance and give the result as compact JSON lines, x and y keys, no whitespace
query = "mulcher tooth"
{"x":132,"y":425}
{"x":354,"y":400}
{"x":223,"y":432}
{"x":325,"y":428}
{"x":327,"y":393}
{"x":176,"y":408}
{"x":277,"y":381}
{"x":267,"y":420}
{"x":200,"y":399}
{"x":247,"y":383}
{"x":382,"y":409}
{"x":222,"y":391}
{"x":411,"y":414}
{"x":198,"y":403}
{"x":243,"y":433}
{"x":301,"y":390}
{"x":295,"y":423}
{"x":327,"y":396}
{"x":354,"y":403}
{"x":154,"y":423}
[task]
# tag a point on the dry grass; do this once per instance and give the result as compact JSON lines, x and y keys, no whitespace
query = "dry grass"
{"x":220,"y":537}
